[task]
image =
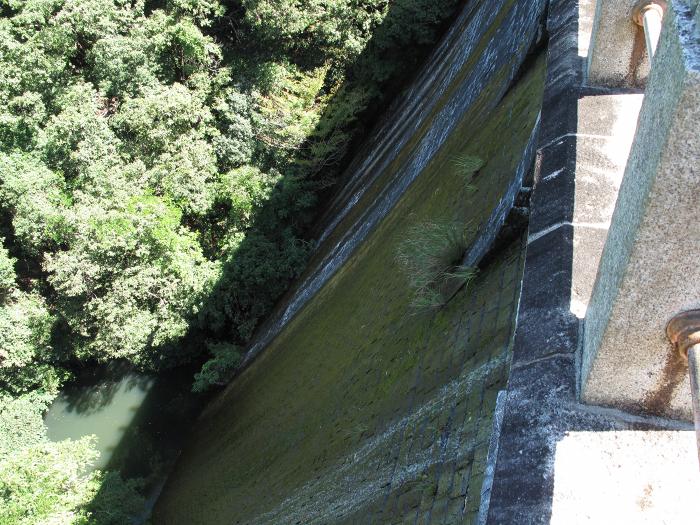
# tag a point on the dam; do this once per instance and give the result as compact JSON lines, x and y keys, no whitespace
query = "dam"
{"x":355,"y":404}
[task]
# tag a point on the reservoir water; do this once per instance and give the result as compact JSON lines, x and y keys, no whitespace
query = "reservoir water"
{"x":140,"y":421}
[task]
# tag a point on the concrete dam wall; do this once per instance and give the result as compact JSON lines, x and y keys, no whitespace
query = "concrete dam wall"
{"x":541,"y":391}
{"x":355,"y":406}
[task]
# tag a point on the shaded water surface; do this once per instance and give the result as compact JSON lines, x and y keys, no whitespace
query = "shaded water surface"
{"x":140,"y":421}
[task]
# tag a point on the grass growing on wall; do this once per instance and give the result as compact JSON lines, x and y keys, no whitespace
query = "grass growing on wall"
{"x":431,"y":252}
{"x":430,"y":256}
{"x":467,"y":167}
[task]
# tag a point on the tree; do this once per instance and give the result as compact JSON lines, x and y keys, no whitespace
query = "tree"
{"x":25,"y":332}
{"x":131,"y":280}
{"x":160,"y":166}
{"x":217,"y":370}
{"x":47,"y":483}
{"x":36,"y":199}
{"x":55,"y":482}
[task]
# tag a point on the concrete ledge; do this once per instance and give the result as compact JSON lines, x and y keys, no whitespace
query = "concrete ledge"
{"x":624,"y":477}
{"x":543,"y":369}
{"x":491,"y":458}
{"x":584,"y":142}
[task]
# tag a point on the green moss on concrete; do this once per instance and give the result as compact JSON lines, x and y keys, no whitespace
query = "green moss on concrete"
{"x":479,"y":111}
{"x":361,"y":409}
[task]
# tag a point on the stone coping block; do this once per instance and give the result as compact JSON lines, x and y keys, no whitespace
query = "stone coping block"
{"x":623,"y":477}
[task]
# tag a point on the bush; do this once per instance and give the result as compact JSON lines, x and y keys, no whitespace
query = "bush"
{"x":431,"y":256}
{"x":218,"y":370}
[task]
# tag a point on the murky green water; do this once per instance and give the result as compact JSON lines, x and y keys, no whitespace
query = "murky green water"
{"x":106,"y":409}
{"x":140,"y":421}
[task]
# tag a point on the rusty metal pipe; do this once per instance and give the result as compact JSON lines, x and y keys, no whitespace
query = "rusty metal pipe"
{"x":684,"y":332}
{"x":694,"y":373}
{"x":649,"y":14}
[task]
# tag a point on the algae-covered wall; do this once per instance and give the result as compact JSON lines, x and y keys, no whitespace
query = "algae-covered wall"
{"x":361,"y":409}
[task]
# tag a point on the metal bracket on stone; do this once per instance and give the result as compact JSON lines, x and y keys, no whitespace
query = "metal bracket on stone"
{"x":684,"y":331}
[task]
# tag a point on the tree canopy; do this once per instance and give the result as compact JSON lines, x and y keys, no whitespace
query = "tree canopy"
{"x":160,"y":165}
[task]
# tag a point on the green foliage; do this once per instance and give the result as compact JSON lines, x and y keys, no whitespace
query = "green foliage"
{"x":159,"y":167}
{"x":431,"y":256}
{"x":7,"y":272}
{"x":35,"y":197}
{"x":203,"y":12}
{"x":245,"y":190}
{"x":189,"y":51}
{"x":288,"y":114}
{"x":233,"y":144}
{"x":24,"y":329}
{"x":251,"y":281}
{"x":20,"y":120}
{"x":53,"y":482}
{"x":116,"y":502}
{"x":77,"y":136}
{"x":25,"y":333}
{"x":125,"y":65}
{"x":47,"y":483}
{"x":218,"y":370}
{"x":21,"y":423}
{"x":154,"y":120}
{"x":337,"y":29}
{"x":186,"y":173}
{"x":159,"y":170}
{"x":131,"y":279}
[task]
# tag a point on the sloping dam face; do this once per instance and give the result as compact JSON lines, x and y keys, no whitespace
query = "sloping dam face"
{"x":358,"y":408}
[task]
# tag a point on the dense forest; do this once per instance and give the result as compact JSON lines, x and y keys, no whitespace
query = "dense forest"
{"x":160,"y":166}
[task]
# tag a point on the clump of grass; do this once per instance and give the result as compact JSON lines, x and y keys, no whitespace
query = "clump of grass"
{"x":467,"y":166}
{"x":431,"y":256}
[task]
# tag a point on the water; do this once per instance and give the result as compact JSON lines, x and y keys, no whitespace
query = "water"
{"x":140,"y":421}
{"x":106,"y":408}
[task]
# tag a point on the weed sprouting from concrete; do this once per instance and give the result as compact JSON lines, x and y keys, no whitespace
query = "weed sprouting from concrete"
{"x":431,"y":255}
{"x":466,"y":166}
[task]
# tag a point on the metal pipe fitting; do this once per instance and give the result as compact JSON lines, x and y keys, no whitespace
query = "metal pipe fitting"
{"x":684,"y":333}
{"x":649,"y":14}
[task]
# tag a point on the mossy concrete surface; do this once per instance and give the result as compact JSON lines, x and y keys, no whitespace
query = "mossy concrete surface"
{"x":488,"y":45}
{"x":362,"y":410}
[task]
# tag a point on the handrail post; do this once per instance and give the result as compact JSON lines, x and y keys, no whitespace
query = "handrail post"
{"x":684,"y":332}
{"x":649,"y":14}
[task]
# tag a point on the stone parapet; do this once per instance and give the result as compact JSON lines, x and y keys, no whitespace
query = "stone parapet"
{"x":649,"y":269}
{"x":557,"y":457}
